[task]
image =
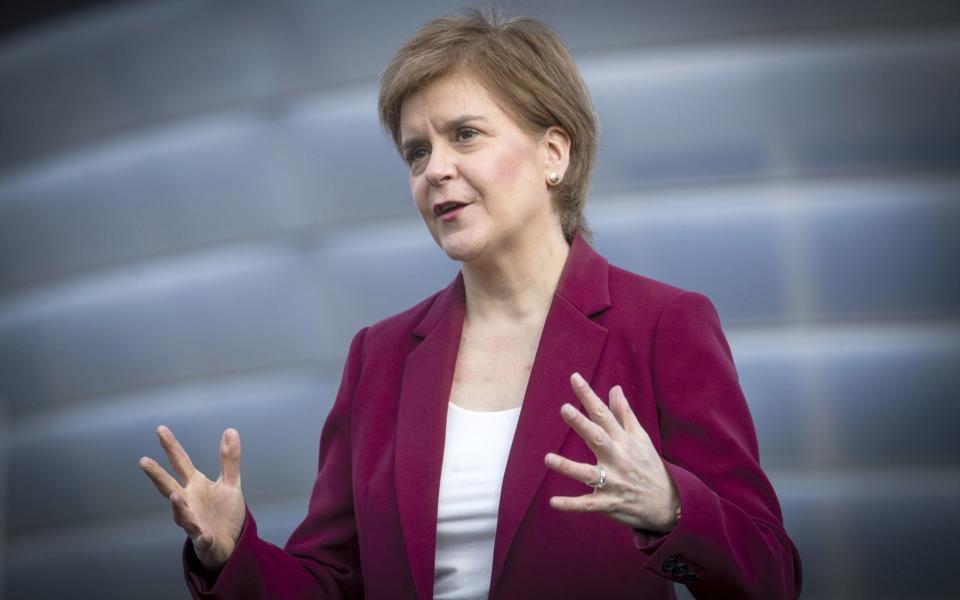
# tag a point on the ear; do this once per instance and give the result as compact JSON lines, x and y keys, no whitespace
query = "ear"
{"x":555,"y":145}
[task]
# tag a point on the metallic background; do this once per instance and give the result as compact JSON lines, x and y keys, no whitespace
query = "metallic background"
{"x":198,"y":209}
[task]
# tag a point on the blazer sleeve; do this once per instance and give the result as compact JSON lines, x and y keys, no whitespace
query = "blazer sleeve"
{"x":322,"y":557}
{"x":730,"y":541}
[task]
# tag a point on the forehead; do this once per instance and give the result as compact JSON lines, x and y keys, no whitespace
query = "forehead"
{"x":445,"y":99}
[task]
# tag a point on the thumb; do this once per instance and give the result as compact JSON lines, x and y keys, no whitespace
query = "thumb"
{"x":230,"y":457}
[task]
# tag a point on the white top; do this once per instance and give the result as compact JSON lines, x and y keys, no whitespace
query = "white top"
{"x":474,"y":459}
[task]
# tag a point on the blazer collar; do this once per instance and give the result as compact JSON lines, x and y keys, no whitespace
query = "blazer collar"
{"x":584,"y":280}
{"x":571,"y":341}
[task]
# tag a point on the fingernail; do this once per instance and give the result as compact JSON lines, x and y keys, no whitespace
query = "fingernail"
{"x":578,"y":378}
{"x":568,"y":410}
{"x":551,"y":460}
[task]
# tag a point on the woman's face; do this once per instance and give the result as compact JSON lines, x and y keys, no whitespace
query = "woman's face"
{"x":478,"y":180}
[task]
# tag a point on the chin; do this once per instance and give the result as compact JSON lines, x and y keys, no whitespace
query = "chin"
{"x":461,"y":247}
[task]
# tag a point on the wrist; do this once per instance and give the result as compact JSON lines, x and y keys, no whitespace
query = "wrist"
{"x":672,"y":520}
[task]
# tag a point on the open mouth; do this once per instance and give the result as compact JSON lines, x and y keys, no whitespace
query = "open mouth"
{"x":447,"y":208}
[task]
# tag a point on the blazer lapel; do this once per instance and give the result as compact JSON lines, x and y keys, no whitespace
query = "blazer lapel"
{"x":570,"y":342}
{"x":421,"y":429}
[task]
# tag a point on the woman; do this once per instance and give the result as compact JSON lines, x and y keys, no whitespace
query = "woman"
{"x":454,"y":461}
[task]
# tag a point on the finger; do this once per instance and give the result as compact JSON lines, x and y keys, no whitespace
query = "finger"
{"x":583,"y":473}
{"x":183,"y":516}
{"x":177,"y":456}
{"x":230,"y":457}
{"x":599,"y":440}
{"x":164,"y":482}
{"x":612,"y":400}
{"x":596,"y":408}
{"x":625,"y":414}
{"x":585,"y":503}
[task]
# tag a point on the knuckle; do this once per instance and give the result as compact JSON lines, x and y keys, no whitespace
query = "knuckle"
{"x":633,"y":474}
{"x":643,"y":464}
{"x":616,"y":503}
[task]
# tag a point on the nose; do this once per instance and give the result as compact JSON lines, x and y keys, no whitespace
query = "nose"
{"x":440,"y":167}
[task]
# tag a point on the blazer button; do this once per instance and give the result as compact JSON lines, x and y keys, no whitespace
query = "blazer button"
{"x":688,"y":577}
{"x":681,"y":570}
{"x":670,"y":564}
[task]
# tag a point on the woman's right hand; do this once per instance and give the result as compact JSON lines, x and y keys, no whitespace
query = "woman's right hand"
{"x":211,"y":512}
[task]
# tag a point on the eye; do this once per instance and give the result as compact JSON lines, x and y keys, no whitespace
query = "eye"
{"x":415,"y":154}
{"x":466,"y":133}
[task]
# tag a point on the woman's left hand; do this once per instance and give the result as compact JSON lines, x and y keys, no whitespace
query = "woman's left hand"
{"x":638,"y":489}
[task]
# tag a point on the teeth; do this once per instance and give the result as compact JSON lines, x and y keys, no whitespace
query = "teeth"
{"x":449,"y":207}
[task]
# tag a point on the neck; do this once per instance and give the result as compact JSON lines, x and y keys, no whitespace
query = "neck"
{"x":518,"y":283}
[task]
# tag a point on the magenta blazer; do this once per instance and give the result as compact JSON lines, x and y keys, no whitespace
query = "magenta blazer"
{"x":370,"y":530}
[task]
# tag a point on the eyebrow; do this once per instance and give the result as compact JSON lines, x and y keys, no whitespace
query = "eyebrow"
{"x":444,"y":126}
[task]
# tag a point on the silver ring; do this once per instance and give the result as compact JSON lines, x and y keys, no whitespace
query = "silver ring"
{"x":601,"y":478}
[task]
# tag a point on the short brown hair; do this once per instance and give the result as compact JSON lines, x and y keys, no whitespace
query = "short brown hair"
{"x":523,"y":63}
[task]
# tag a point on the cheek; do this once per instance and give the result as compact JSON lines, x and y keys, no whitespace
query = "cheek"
{"x":517,"y":167}
{"x":418,"y":191}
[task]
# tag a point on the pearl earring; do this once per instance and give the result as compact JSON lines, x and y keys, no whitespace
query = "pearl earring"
{"x":553,"y":178}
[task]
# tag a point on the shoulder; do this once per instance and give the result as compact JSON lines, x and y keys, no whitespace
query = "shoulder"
{"x":397,"y":329}
{"x":651,"y":296}
{"x":625,"y":284}
{"x":669,"y":326}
